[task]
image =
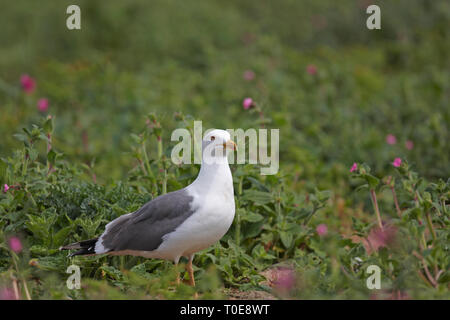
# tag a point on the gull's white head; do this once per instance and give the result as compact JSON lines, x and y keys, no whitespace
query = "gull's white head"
{"x":216,"y":143}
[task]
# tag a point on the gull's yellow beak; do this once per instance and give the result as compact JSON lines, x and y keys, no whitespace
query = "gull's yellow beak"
{"x":230,"y":145}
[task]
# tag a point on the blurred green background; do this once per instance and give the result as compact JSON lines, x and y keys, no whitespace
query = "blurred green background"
{"x":338,"y":92}
{"x":135,"y":57}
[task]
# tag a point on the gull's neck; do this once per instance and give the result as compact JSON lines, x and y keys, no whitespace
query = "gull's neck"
{"x":214,"y":176}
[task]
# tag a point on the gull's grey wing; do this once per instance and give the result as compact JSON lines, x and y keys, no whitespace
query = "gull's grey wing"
{"x":143,"y":229}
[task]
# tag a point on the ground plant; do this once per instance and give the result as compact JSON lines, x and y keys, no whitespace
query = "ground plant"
{"x":363,"y":184}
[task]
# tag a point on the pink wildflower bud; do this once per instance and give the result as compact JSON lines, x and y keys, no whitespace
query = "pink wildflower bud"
{"x":391,"y":139}
{"x":311,"y":69}
{"x":15,"y":244}
{"x":42,"y":104}
{"x":397,"y":162}
{"x":284,"y":279}
{"x":322,"y":229}
{"x":409,"y":145}
{"x":382,"y":237}
{"x":28,"y":83}
{"x":247,"y":103}
{"x":249,"y":75}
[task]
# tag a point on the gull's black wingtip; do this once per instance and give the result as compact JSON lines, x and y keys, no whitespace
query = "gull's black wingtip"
{"x":86,"y":247}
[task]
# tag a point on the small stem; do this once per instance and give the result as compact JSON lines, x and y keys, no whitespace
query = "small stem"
{"x":141,"y":163}
{"x":417,"y":198}
{"x":439,"y":274}
{"x":49,"y":142}
{"x":160,"y":147}
{"x":424,"y":278}
{"x":240,"y":186}
{"x":375,"y":205}
{"x":278,"y":208}
{"x":27,"y":293}
{"x":424,"y":242}
{"x":430,"y":226}
{"x":164,"y":186}
{"x":49,"y":147}
{"x":50,"y":169}
{"x":261,"y":116}
{"x":146,"y":162}
{"x":238,"y":217}
{"x":16,"y":289}
{"x":425,"y":267}
{"x":25,"y":165}
{"x":444,"y":208}
{"x":399,"y":212}
{"x":238,"y":228}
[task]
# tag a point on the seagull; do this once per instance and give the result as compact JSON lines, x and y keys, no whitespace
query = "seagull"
{"x":176,"y":224}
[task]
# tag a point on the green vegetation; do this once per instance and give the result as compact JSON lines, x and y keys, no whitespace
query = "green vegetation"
{"x":339,"y":93}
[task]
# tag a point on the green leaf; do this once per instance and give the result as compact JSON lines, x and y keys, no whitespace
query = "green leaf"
{"x":140,"y":269}
{"x":112,"y":272}
{"x":51,"y":157}
{"x":21,"y":137}
{"x":286,"y":239}
{"x":48,"y":125}
{"x":251,"y":216}
{"x":322,"y":196}
{"x":60,"y":237}
{"x":33,"y":154}
{"x":258,"y":184}
{"x":257,"y":197}
{"x":39,"y":250}
{"x":362,"y":187}
{"x":251,"y":230}
{"x":372,"y":181}
{"x":136,"y":138}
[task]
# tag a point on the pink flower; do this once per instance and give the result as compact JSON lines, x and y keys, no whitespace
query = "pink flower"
{"x":15,"y":244}
{"x":409,"y":145}
{"x":7,"y":294}
{"x":397,"y":162}
{"x":42,"y":104}
{"x":247,"y":103}
{"x":5,"y":188}
{"x":249,"y":75}
{"x":322,"y":229}
{"x":381,"y":238}
{"x":28,"y":83}
{"x":354,"y":167}
{"x":311,"y":69}
{"x":284,"y":279}
{"x":391,"y":139}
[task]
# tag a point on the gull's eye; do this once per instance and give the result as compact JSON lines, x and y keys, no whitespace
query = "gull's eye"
{"x":213,"y":138}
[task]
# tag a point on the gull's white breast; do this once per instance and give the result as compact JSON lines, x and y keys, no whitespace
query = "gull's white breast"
{"x":213,"y":216}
